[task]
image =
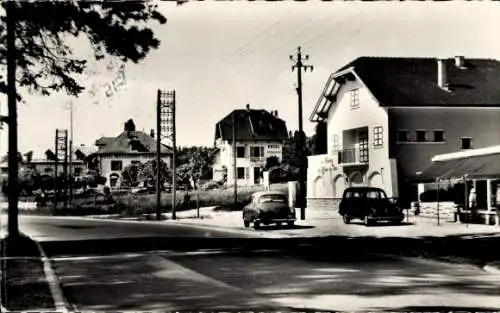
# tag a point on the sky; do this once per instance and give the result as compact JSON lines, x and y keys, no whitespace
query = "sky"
{"x":221,"y":55}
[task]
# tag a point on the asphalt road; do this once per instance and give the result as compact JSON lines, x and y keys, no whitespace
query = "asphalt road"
{"x":108,"y":265}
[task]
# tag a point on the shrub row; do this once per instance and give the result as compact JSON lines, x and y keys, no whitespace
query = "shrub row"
{"x":139,"y":204}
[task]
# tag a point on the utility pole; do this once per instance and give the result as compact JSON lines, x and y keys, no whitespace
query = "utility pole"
{"x":166,"y":122}
{"x":235,"y":174}
{"x":13,"y":211}
{"x":158,"y":154}
{"x":301,"y":140}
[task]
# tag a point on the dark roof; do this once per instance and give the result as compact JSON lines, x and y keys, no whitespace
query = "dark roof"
{"x":413,"y":81}
{"x":251,"y":125}
{"x":103,"y":141}
{"x":133,"y":142}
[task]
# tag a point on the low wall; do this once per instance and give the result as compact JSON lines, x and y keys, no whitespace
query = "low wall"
{"x":446,"y":209}
{"x":323,"y":207}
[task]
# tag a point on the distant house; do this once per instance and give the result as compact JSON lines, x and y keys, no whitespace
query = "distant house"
{"x":45,"y":164}
{"x":258,"y":134}
{"x":387,"y":117}
{"x":129,"y":147}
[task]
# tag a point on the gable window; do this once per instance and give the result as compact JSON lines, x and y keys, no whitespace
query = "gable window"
{"x":466,"y":142}
{"x":439,"y":136}
{"x":335,"y":143}
{"x":257,"y":152}
{"x":403,"y":135}
{"x":378,"y":136}
{"x":421,"y":135}
{"x":354,"y":98}
{"x":240,"y":152}
{"x":116,"y":165}
{"x":240,"y":172}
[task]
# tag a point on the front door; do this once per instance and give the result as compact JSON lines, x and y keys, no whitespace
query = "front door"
{"x":256,"y":175}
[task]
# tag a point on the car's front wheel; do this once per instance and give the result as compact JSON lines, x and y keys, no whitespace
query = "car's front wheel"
{"x":290,"y":224}
{"x":346,"y":219}
{"x":246,"y":223}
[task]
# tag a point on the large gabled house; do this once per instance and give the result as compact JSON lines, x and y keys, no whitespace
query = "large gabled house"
{"x":129,"y":147}
{"x":258,"y":135}
{"x":387,"y":117}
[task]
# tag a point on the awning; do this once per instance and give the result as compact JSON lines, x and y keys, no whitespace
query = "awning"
{"x":437,"y":170}
{"x":477,"y":167}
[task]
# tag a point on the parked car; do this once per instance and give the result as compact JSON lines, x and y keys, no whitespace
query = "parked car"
{"x":369,"y":204}
{"x":268,"y":207}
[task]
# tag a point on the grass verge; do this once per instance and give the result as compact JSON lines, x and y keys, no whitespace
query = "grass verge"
{"x":23,"y":281}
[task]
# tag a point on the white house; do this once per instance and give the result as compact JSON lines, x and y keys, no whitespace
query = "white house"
{"x":130,"y":147}
{"x":258,"y":135}
{"x":387,"y":117}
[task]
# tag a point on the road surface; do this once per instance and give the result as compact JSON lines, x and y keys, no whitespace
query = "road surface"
{"x":106,"y":265}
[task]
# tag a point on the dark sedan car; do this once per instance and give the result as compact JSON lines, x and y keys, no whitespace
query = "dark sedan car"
{"x":268,"y":207}
{"x":370,"y":205}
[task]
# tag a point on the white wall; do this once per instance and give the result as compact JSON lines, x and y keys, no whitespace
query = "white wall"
{"x":226,"y":159}
{"x":369,"y":114}
{"x":105,"y":163}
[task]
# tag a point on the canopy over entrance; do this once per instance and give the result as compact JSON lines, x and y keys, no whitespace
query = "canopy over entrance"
{"x":472,"y":167}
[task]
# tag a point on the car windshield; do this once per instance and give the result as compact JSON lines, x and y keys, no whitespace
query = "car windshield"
{"x":369,"y":194}
{"x":272,"y":198}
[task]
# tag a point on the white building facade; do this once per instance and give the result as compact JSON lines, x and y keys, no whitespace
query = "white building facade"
{"x":258,"y":135}
{"x":387,"y":117}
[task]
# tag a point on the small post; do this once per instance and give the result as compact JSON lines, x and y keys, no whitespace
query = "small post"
{"x":437,"y":179}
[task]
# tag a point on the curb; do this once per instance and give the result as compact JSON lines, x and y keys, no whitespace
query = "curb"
{"x":61,"y":304}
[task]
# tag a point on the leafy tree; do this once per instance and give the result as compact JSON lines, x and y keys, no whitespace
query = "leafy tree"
{"x":34,"y":40}
{"x":46,"y":62}
{"x":130,"y":175}
{"x":147,"y":172}
{"x":271,"y":161}
{"x":317,"y":144}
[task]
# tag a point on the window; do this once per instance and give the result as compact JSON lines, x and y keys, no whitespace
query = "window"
{"x":355,"y":99}
{"x":421,"y":136}
{"x":378,"y":136}
{"x":273,"y":147}
{"x":240,"y":152}
{"x":438,"y":136}
{"x":403,"y":136}
{"x":257,"y":152}
{"x":335,"y":143}
{"x":240,"y":172}
{"x":116,"y":165}
{"x":48,"y":170}
{"x":466,"y":142}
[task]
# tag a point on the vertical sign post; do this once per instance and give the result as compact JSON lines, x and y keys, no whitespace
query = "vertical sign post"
{"x":167,"y":130}
{"x":61,"y":154}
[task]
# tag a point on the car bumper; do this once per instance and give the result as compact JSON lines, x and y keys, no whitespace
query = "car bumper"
{"x":274,"y":220}
{"x":387,"y":218}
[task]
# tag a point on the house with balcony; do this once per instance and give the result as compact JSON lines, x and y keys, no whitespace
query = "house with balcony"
{"x":129,"y":147}
{"x":255,"y":135}
{"x":387,"y":117}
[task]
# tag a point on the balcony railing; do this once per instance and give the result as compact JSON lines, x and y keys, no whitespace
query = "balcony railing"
{"x":257,"y":159}
{"x":353,"y":156}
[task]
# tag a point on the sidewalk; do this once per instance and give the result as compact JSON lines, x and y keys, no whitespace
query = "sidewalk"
{"x":24,"y":283}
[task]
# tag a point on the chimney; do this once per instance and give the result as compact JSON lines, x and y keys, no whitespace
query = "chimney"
{"x":276,"y":113}
{"x":459,"y":61}
{"x":441,"y":75}
{"x":152,"y":133}
{"x":248,"y":107}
